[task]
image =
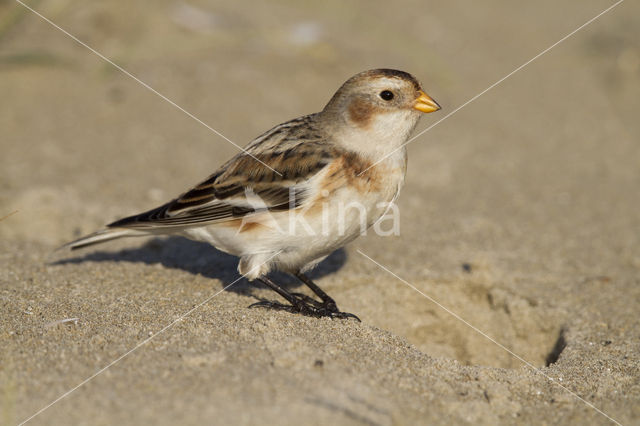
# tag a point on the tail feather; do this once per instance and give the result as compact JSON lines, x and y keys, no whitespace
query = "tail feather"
{"x":101,"y":236}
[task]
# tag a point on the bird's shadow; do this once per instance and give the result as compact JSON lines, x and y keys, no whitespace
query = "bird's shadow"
{"x":200,"y":259}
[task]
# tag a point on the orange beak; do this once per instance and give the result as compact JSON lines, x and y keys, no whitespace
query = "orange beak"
{"x":425,"y":104}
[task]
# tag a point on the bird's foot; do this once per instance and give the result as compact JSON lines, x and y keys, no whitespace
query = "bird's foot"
{"x":268,"y":304}
{"x":307,"y":306}
{"x":329,"y":308}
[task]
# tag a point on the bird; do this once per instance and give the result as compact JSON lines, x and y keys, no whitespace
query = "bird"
{"x":279,"y":205}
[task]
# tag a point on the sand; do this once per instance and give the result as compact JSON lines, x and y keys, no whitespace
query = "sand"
{"x":520,"y":223}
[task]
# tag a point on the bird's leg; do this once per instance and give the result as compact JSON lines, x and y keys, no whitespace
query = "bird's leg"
{"x":308,"y":299}
{"x":329,"y":306}
{"x":301,"y":303}
{"x":327,"y":301}
{"x":297,"y":305}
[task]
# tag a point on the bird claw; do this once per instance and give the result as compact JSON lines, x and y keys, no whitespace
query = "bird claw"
{"x":343,"y":315}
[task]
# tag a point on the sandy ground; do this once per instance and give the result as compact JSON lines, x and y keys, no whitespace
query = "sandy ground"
{"x":521,"y":214}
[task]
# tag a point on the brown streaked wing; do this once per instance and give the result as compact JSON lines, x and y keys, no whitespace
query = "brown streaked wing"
{"x":228,"y":193}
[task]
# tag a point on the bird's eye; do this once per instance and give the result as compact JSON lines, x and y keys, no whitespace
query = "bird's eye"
{"x":386,"y":95}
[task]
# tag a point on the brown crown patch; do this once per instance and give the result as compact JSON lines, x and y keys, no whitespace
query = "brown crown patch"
{"x":390,"y":73}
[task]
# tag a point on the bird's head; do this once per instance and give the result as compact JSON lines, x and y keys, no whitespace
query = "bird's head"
{"x":382,"y":105}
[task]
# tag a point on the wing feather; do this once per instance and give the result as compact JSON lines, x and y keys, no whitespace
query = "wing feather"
{"x":244,"y":186}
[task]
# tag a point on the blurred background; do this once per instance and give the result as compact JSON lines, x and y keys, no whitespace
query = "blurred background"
{"x":517,"y":209}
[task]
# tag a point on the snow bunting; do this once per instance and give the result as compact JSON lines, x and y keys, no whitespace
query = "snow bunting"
{"x":280,"y":204}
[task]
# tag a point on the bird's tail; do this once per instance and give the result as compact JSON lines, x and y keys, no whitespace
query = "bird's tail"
{"x":101,"y":236}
